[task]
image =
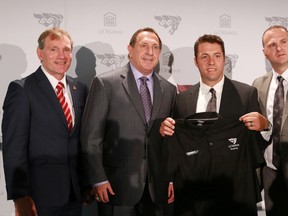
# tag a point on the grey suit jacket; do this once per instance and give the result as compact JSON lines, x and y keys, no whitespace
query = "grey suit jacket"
{"x":263,"y":84}
{"x":116,"y":143}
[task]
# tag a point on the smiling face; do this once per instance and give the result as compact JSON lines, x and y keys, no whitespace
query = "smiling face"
{"x":144,"y":54}
{"x":56,"y":55}
{"x":275,"y":48}
{"x":210,"y":61}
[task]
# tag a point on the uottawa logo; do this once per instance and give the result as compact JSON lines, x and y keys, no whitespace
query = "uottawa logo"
{"x":275,"y":20}
{"x":48,"y":19}
{"x":110,"y":59}
{"x":169,"y":21}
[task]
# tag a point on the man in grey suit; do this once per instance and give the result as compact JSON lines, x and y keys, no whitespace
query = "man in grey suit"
{"x":41,"y":145}
{"x":124,"y":157}
{"x":275,"y":177}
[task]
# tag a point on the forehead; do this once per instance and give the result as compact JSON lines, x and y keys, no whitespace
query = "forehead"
{"x":207,"y":47}
{"x":147,"y":37}
{"x":63,"y":40}
{"x":275,"y":34}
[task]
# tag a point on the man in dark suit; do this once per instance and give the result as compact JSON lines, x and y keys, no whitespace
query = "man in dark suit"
{"x":40,"y":139}
{"x":275,"y":176}
{"x":231,"y":101}
{"x":122,"y":148}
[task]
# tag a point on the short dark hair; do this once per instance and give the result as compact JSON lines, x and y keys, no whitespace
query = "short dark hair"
{"x":133,"y":39}
{"x":210,"y":39}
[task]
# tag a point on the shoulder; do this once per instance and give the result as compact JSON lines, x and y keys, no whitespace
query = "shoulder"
{"x":240,"y":86}
{"x":259,"y":80}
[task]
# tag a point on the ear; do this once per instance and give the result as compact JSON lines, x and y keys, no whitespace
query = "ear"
{"x":39,"y":53}
{"x":195,"y":62}
{"x":130,"y":49}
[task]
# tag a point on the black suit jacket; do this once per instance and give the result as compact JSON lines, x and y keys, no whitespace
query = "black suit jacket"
{"x":117,"y":144}
{"x":40,"y":155}
{"x":237,"y":99}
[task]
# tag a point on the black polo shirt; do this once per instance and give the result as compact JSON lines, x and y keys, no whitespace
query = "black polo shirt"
{"x":212,"y":161}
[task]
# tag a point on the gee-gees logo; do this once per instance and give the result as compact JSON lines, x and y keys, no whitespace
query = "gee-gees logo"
{"x":110,"y":59}
{"x":169,"y":21}
{"x":276,"y":20}
{"x":48,"y":19}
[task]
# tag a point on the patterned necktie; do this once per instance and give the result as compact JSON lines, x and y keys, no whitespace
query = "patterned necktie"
{"x":211,"y":106}
{"x":146,"y":98}
{"x":64,"y":104}
{"x":277,"y":119}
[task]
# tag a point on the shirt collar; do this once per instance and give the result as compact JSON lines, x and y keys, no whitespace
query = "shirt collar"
{"x":218,"y":87}
{"x":53,"y":80}
{"x":138,"y":75}
{"x":284,"y":75}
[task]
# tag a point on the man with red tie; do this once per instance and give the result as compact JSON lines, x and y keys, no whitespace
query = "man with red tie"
{"x":41,"y":123}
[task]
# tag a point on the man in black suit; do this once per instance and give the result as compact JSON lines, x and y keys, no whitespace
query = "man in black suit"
{"x":40,"y":138}
{"x":225,"y":153}
{"x":122,"y":149}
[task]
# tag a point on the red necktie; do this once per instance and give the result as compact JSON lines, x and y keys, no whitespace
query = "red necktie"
{"x":64,"y":104}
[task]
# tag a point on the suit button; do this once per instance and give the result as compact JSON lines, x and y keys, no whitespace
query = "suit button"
{"x":211,"y":143}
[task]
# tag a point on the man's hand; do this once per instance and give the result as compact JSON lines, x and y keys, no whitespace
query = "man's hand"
{"x":170,"y":193}
{"x":25,"y":206}
{"x":167,"y":127}
{"x":102,"y":192}
{"x":255,"y":121}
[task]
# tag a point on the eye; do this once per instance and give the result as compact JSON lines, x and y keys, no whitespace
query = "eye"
{"x":156,"y":47}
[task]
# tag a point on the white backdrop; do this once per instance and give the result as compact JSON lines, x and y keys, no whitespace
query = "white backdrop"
{"x":101,"y":31}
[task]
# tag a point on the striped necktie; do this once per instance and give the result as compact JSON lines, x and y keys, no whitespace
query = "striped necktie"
{"x":64,"y":104}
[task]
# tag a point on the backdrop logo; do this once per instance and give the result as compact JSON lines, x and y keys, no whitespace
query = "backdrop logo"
{"x":109,"y":19}
{"x":225,"y":21}
{"x":283,"y":21}
{"x":230,"y":63}
{"x":48,"y":19}
{"x":169,"y":21}
{"x":110,"y":59}
{"x":225,"y":24}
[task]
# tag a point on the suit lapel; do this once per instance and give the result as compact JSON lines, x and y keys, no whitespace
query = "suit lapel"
{"x":193,"y":98}
{"x":158,"y":93}
{"x":263,"y":91}
{"x":47,"y":89}
{"x":230,"y":100}
{"x":130,"y":86}
{"x":74,"y":95}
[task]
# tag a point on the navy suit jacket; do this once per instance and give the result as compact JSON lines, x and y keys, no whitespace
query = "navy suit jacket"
{"x":40,"y":154}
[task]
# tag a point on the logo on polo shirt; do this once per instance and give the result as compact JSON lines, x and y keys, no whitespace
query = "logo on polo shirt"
{"x":234,"y":145}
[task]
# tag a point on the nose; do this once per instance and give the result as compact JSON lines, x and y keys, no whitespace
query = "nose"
{"x":211,"y":61}
{"x":150,"y":50}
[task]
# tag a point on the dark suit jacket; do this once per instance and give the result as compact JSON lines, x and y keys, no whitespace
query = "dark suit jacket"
{"x":40,"y":155}
{"x":117,"y":144}
{"x":237,"y":99}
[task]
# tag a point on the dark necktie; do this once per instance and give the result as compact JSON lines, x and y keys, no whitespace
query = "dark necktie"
{"x":64,"y":104}
{"x":146,"y":98}
{"x":211,"y":106}
{"x":277,"y":119}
